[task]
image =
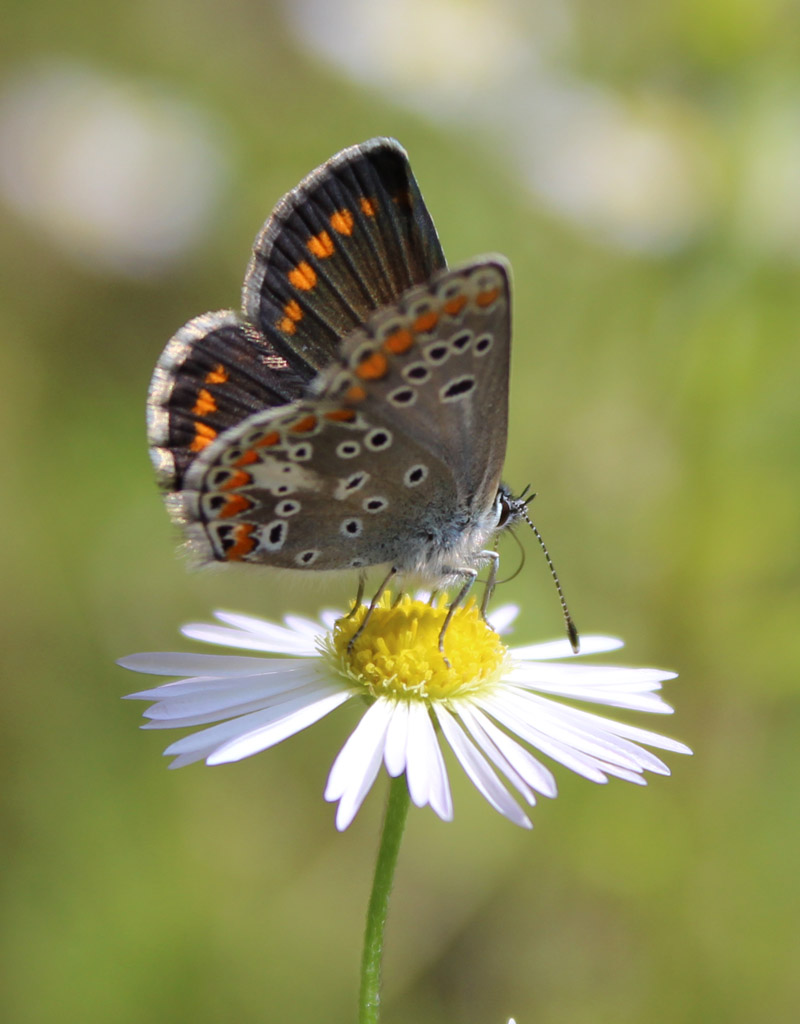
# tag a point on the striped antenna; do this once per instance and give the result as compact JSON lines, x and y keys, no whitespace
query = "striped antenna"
{"x":572,"y":631}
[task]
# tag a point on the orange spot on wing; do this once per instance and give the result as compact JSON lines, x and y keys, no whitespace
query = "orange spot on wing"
{"x":484,"y":299}
{"x":403,"y":199}
{"x":342,"y":222}
{"x":203,"y":435}
{"x":219,"y":375}
{"x":246,"y":458}
{"x":368,"y":206}
{"x":292,"y":314}
{"x":341,"y":415}
{"x":320,"y":245}
{"x":303,"y":425}
{"x":399,"y":342}
{"x":303,"y":276}
{"x":426,"y":322}
{"x":454,"y":306}
{"x":373,"y":367}
{"x":268,"y":440}
{"x":234,"y":505}
{"x":239,"y":479}
{"x":204,"y":404}
{"x":244,"y":543}
{"x":355,"y":394}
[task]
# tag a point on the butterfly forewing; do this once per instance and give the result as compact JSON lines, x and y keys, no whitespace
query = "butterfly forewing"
{"x":214,"y":373}
{"x":352,"y":237}
{"x":349,"y":239}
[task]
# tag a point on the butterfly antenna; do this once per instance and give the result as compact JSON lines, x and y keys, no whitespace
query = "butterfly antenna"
{"x":572,"y":630}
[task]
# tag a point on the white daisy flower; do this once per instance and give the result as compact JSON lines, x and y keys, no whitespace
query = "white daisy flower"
{"x":490,"y":706}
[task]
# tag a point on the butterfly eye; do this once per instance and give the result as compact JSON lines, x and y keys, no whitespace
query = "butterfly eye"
{"x":504,"y":509}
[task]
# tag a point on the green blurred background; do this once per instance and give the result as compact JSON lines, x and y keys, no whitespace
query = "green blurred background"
{"x":640,"y":166}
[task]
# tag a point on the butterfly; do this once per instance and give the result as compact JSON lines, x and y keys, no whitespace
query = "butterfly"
{"x":354,"y":412}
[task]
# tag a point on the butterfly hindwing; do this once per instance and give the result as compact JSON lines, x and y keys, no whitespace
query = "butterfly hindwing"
{"x":435,"y":367}
{"x":316,"y":484}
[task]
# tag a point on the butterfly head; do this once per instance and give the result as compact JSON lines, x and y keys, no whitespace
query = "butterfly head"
{"x":509,"y":509}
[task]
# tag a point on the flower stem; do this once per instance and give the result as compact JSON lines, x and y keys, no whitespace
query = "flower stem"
{"x":393,"y":825}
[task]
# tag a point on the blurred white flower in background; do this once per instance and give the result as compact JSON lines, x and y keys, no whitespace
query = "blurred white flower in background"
{"x":119,"y":175}
{"x":435,"y":51}
{"x":634,"y":178}
{"x":766,"y":209}
{"x":626,"y":171}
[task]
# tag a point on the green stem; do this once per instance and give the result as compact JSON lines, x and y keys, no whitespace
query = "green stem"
{"x":393,"y":825}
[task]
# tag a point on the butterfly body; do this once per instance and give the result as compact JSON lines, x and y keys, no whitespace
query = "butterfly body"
{"x":355,"y":413}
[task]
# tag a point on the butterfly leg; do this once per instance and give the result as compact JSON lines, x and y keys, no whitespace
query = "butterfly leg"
{"x":372,"y":605}
{"x":398,"y":599}
{"x":494,"y":564}
{"x":362,"y":582}
{"x":471,"y":576}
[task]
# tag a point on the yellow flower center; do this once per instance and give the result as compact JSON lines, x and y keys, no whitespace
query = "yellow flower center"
{"x":397,"y":653}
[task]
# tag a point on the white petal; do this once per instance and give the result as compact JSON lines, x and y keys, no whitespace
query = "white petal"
{"x":426,"y":772}
{"x":275,"y":732}
{"x":329,"y":617}
{"x":212,"y":706}
{"x":225,"y":732}
{"x":574,"y":679}
{"x":588,"y":744}
{"x":394,"y":754}
{"x":373,"y":724}
{"x":563,"y":648}
{"x":599,"y":741}
{"x":357,"y":764}
{"x":557,"y":721}
{"x":501,"y":708}
{"x":307,"y":627}
{"x":184,"y":759}
{"x":502,"y":618}
{"x":623,"y":773}
{"x":252,"y":624}
{"x":487,"y":745}
{"x":175,"y":663}
{"x":533,"y":771}
{"x":631,"y":732}
{"x":291,"y":674}
{"x":271,"y":638}
{"x":192,"y":721}
{"x":477,"y":769}
{"x":648,"y":703}
{"x":615,"y":687}
{"x":208,"y":750}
